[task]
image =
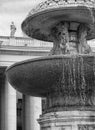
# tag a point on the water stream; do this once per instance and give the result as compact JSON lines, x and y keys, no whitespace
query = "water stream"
{"x":91,"y":13}
{"x":74,"y":77}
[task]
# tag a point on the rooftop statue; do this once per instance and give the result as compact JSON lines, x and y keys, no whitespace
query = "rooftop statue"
{"x":13,"y":29}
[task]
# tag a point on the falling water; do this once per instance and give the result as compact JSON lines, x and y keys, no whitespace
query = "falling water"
{"x":74,"y":83}
{"x":74,"y":78}
{"x":94,"y":69}
{"x":74,"y":74}
{"x":83,"y":83}
{"x":91,"y":13}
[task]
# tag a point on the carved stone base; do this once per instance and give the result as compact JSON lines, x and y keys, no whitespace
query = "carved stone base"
{"x":68,"y":120}
{"x":70,"y":38}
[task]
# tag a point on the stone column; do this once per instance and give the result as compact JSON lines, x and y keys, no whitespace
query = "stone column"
{"x":2,"y":106}
{"x":31,"y":112}
{"x":8,"y":108}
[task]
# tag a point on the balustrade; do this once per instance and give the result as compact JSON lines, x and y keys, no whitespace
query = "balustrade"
{"x":21,"y":42}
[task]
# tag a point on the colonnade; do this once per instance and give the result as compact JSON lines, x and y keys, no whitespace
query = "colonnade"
{"x":8,"y":109}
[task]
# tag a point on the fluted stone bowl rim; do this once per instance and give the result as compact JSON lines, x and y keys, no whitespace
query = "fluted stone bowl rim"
{"x":48,"y":58}
{"x":36,"y":32}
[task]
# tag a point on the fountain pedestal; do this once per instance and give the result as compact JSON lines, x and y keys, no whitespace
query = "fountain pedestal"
{"x":68,"y":120}
{"x":70,"y":100}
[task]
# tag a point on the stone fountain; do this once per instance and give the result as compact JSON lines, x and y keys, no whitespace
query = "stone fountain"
{"x":67,"y":76}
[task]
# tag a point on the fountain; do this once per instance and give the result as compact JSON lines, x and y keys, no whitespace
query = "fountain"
{"x":67,"y":76}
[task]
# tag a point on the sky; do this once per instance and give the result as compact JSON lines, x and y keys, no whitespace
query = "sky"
{"x":14,"y":10}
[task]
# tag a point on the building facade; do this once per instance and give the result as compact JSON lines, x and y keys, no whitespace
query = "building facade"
{"x":18,"y":111}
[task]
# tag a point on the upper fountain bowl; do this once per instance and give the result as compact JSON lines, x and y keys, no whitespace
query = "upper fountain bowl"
{"x":46,"y":15}
{"x":37,"y":77}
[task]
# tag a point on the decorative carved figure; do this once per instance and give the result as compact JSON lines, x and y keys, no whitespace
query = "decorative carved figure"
{"x":61,"y":39}
{"x":64,"y":39}
{"x":56,"y":42}
{"x":83,"y":47}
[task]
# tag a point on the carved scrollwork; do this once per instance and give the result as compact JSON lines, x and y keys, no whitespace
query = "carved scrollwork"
{"x":86,"y":127}
{"x":57,"y":3}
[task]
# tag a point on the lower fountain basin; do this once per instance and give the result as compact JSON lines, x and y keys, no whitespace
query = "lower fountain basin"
{"x":38,"y":76}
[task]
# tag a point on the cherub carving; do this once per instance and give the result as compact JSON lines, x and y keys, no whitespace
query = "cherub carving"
{"x":83,"y":47}
{"x":56,"y":43}
{"x":64,"y":38}
{"x":61,"y":39}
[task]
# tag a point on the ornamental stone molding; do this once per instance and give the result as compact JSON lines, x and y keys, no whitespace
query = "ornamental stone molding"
{"x":67,"y":121}
{"x":86,"y":127}
{"x":61,"y":3}
{"x":52,"y":12}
